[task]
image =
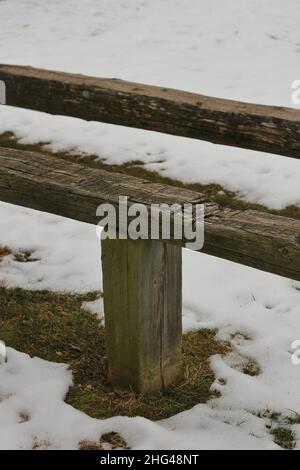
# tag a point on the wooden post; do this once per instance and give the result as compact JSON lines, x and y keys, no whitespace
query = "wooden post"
{"x":142,"y":282}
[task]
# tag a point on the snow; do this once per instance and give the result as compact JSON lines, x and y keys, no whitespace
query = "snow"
{"x":67,"y":252}
{"x":96,"y":307}
{"x":247,"y":51}
{"x":35,"y":388}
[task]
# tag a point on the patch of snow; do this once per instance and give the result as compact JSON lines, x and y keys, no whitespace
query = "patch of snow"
{"x":96,"y":307}
{"x":32,"y":413}
{"x":65,"y":249}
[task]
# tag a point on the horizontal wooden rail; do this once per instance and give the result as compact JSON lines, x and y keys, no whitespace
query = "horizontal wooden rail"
{"x":270,"y":129}
{"x":50,"y":184}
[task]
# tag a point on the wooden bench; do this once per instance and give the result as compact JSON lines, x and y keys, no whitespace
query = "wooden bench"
{"x":142,"y":278}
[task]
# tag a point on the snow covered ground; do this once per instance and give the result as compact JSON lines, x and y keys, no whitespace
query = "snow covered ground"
{"x":245,"y":50}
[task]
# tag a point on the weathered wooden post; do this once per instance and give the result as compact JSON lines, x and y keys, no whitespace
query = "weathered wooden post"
{"x":142,"y":304}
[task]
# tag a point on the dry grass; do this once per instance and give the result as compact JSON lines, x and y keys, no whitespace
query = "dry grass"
{"x":111,"y":440}
{"x":24,"y":256}
{"x":55,"y":327}
{"x":4,"y":251}
{"x":284,"y":437}
{"x":251,"y":368}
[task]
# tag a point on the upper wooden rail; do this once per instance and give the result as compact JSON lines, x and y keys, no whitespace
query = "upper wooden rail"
{"x":270,"y":129}
{"x":50,"y":184}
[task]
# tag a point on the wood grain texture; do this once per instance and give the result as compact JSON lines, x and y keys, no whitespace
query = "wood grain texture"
{"x":143,"y":319}
{"x":50,"y":184}
{"x":270,"y":129}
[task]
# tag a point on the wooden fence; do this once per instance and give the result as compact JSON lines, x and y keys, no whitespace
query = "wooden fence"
{"x":142,"y":278}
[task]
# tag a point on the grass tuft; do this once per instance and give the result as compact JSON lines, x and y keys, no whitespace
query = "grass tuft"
{"x":4,"y":251}
{"x":55,"y":327}
{"x":284,"y":437}
{"x":108,"y":441}
{"x":295,"y":419}
{"x":251,"y":368}
{"x":24,"y":256}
